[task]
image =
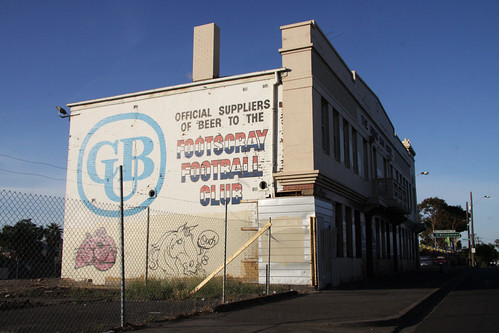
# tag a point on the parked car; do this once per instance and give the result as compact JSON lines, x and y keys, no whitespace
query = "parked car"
{"x":441,"y":260}
{"x":425,"y":261}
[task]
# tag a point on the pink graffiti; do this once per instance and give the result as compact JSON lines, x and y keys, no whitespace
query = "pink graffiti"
{"x":98,"y":249}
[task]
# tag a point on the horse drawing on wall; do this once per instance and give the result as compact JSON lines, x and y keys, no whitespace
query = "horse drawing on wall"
{"x":178,"y":254}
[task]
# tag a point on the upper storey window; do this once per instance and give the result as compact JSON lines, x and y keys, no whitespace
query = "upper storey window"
{"x":336,"y":135}
{"x":325,"y":125}
{"x":346,"y":143}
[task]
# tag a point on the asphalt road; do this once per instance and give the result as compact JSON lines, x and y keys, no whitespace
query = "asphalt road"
{"x":371,"y":306}
{"x":439,"y":299}
{"x":473,"y":306}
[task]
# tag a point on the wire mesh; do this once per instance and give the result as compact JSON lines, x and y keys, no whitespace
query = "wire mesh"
{"x":60,"y":263}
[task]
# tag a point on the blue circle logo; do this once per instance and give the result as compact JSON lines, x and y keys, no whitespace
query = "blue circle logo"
{"x":115,"y":141}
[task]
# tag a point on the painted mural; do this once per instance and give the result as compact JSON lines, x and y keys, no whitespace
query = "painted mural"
{"x":98,"y":250}
{"x":192,"y":151}
{"x":178,"y":253}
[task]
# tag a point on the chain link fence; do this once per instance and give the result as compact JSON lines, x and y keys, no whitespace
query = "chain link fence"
{"x":65,"y":268}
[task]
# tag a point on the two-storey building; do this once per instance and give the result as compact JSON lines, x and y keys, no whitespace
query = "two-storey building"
{"x":308,"y":145}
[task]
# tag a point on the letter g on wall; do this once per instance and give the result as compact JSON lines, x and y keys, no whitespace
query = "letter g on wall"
{"x":111,"y":143}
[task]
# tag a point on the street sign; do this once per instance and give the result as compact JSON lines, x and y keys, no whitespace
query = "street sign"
{"x":446,"y":234}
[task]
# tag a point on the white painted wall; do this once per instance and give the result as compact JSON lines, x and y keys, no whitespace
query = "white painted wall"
{"x":196,"y":146}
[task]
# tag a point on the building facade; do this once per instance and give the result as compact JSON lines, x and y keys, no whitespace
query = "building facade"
{"x":308,"y":145}
{"x":349,"y":156}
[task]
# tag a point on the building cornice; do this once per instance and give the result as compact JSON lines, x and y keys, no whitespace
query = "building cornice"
{"x":292,"y":181}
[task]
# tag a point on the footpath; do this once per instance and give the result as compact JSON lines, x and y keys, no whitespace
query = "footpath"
{"x":389,"y":304}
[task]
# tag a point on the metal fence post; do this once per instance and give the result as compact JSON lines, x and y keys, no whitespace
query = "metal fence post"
{"x":225,"y":254}
{"x":268,"y":261}
{"x":147,"y":245}
{"x":122,"y":250}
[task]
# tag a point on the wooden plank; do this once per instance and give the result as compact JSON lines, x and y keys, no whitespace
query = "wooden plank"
{"x":249,"y":229}
{"x":313,"y":250}
{"x":238,"y":252}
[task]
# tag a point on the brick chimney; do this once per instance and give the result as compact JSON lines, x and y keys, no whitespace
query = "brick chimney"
{"x":206,"y":53}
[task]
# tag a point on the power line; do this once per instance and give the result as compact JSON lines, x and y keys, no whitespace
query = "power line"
{"x":33,"y":162}
{"x":31,"y":174}
{"x":88,"y":184}
{"x":237,"y":218}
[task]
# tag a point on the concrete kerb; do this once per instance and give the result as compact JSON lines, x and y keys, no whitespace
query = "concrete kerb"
{"x":419,"y":310}
{"x":414,"y":312}
{"x":255,"y":301}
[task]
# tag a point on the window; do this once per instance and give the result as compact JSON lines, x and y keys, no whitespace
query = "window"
{"x":374,"y":163}
{"x":346,"y":143}
{"x":388,"y":241}
{"x":349,"y":233}
{"x":378,"y":240}
{"x":358,"y":235}
{"x":325,"y":125}
{"x":339,"y":230}
{"x":380,"y":167}
{"x":387,"y":168}
{"x":355,"y":151}
{"x":366,"y":158}
{"x":382,"y":239}
{"x":336,"y":134}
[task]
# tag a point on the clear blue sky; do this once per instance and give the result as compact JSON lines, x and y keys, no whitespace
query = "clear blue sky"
{"x":433,"y":65}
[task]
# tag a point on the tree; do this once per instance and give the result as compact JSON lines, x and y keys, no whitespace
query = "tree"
{"x":456,"y":219}
{"x":485,"y":253}
{"x":23,"y":241}
{"x":53,"y":233}
{"x":436,"y":214}
{"x":430,"y":211}
{"x":24,"y":245}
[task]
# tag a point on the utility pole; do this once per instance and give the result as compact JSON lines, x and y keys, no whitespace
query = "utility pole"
{"x":473,"y":229}
{"x":472,"y":233}
{"x":469,"y":239}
